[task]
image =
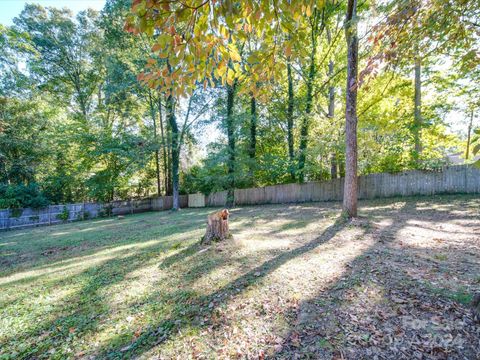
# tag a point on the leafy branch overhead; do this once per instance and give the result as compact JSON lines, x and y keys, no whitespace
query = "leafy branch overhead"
{"x":202,"y":44}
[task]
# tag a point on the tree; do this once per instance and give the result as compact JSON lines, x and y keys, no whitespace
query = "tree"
{"x":317,"y":24}
{"x":290,"y":120}
{"x":350,"y":188}
{"x":61,"y":53}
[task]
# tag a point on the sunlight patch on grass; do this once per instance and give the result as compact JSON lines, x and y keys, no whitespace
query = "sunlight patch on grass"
{"x":304,"y":272}
{"x":149,"y":289}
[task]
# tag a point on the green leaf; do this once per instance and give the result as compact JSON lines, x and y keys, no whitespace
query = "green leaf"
{"x":476,"y":149}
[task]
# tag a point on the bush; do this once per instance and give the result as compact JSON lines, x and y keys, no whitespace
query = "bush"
{"x":22,"y":196}
{"x":64,"y":215}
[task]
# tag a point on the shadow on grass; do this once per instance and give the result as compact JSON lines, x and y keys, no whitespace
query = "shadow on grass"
{"x":64,"y":250}
{"x":383,"y":306}
{"x":200,"y":307}
{"x":178,"y":310}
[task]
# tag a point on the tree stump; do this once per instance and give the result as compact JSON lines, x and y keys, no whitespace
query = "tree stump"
{"x":217,"y":227}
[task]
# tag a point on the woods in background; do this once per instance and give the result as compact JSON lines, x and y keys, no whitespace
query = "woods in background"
{"x":158,"y":97}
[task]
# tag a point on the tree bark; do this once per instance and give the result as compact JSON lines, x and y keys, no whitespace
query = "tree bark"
{"x":217,"y":227}
{"x":308,"y":103}
{"x":252,"y":150}
{"x":169,"y":155}
{"x":155,"y":136}
{"x":331,"y":109}
{"x":418,"y":110}
{"x":291,"y":155}
{"x":175,"y":150}
{"x":231,"y":143}
{"x":469,"y":135}
{"x":164,"y":151}
{"x":351,"y":180}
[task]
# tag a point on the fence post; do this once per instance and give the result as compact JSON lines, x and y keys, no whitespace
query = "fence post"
{"x":49,"y":218}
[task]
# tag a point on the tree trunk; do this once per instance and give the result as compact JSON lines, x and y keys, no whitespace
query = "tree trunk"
{"x":175,"y":150}
{"x":217,"y":227}
{"x":469,"y":135}
{"x":169,"y":156}
{"x":350,"y":187}
{"x":331,"y":109}
{"x":291,"y":155}
{"x":231,"y":143}
{"x":333,"y":166}
{"x":341,"y":167}
{"x":418,"y":110}
{"x":252,"y":150}
{"x":164,"y":150}
{"x":155,"y":136}
{"x":308,"y":109}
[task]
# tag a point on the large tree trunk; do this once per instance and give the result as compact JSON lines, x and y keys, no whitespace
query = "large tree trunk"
{"x":469,"y":135}
{"x":418,"y":110}
{"x":350,"y":187}
{"x":291,"y":155}
{"x":252,"y":150}
{"x":175,"y":150}
{"x":231,"y":144}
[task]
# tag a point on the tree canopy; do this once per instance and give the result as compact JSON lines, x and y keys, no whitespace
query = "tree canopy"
{"x":168,"y":97}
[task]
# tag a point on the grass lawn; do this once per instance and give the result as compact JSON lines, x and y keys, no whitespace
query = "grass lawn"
{"x":294,"y":282}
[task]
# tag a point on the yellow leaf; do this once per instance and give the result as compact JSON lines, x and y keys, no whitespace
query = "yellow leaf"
{"x":288,"y":50}
{"x":233,"y":52}
{"x":230,"y":76}
{"x":308,"y":11}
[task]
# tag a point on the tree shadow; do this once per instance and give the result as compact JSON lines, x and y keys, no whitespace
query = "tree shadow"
{"x":59,"y":253}
{"x":385,"y":306}
{"x":201,"y":306}
{"x":185,"y":308}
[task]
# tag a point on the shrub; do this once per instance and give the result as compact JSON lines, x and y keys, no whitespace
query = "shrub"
{"x":64,"y":215}
{"x":22,"y":196}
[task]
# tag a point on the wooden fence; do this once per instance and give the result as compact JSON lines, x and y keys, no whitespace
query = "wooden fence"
{"x":453,"y":179}
{"x":56,"y":214}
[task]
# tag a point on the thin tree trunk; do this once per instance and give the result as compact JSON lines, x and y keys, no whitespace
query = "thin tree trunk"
{"x":351,"y":182}
{"x":231,"y":144}
{"x":333,"y":166}
{"x":291,"y":155}
{"x":164,"y":151}
{"x":155,"y":136}
{"x":253,"y":136}
{"x":341,"y":167}
{"x":469,"y":134}
{"x":309,"y":100}
{"x":169,"y":157}
{"x":175,"y":150}
{"x":418,"y":110}
{"x":331,"y":109}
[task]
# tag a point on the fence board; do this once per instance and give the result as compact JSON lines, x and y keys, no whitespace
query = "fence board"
{"x":196,"y":200}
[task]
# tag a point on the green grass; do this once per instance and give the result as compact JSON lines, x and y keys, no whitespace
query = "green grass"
{"x":142,"y":286}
